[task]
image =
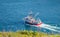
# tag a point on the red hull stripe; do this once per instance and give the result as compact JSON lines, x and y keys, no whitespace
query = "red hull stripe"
{"x":39,"y":24}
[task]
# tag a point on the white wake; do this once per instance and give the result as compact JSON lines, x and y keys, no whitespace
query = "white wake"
{"x":53,"y":28}
{"x":46,"y":26}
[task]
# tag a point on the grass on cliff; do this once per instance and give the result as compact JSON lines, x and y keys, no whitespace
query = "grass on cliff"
{"x":27,"y":34}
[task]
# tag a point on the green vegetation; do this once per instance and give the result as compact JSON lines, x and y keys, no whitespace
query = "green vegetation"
{"x":27,"y":34}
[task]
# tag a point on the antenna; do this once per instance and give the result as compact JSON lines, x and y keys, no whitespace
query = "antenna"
{"x":30,"y":13}
{"x":36,"y":14}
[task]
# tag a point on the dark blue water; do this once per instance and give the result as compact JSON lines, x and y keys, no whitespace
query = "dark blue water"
{"x":13,"y":11}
